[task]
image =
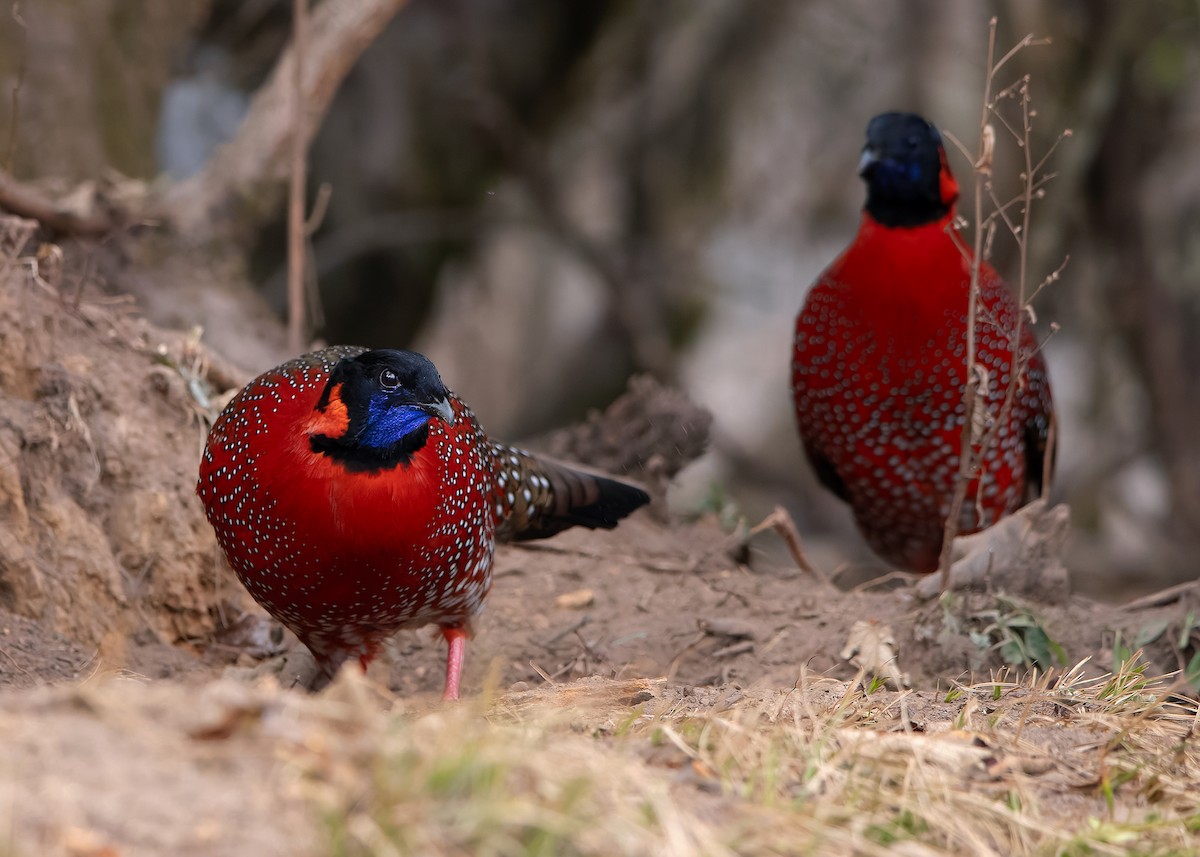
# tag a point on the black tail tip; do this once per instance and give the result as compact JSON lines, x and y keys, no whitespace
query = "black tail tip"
{"x":616,"y":501}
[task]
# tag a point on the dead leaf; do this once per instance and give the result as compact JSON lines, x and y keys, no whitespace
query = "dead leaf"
{"x":82,"y":842}
{"x":871,"y":647}
{"x":950,"y":751}
{"x":576,"y":600}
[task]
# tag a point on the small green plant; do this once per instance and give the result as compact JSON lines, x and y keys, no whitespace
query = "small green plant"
{"x":906,"y":825}
{"x":1188,"y":643}
{"x":1019,"y":636}
{"x":1111,"y":783}
{"x":1191,"y":673}
{"x":1121,"y":653}
{"x":1012,"y":800}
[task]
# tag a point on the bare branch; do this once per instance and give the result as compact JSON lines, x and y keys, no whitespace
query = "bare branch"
{"x":1016,"y":135}
{"x":27,"y":201}
{"x":298,"y":181}
{"x":258,"y":155}
{"x":1028,"y":42}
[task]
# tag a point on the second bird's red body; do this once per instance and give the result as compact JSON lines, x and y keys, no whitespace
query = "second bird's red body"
{"x":879,"y":369}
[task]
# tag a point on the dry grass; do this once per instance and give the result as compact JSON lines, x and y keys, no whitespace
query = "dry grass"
{"x":1067,"y":766}
{"x":1064,"y":767}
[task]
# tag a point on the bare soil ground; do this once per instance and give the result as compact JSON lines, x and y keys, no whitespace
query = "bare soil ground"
{"x":147,"y":705}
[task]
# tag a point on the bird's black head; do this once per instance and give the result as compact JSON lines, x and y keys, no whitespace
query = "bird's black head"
{"x":904,"y":166}
{"x":377,"y":407}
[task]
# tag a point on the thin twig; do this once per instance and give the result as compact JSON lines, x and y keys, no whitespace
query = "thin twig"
{"x":1164,"y":596}
{"x":781,"y":522}
{"x":1027,"y":42}
{"x":320,"y":208}
{"x":16,"y":663}
{"x":1038,"y":186}
{"x":967,"y":445}
{"x":1020,"y":232}
{"x":977,"y":439}
{"x":298,"y":180}
{"x":567,"y":631}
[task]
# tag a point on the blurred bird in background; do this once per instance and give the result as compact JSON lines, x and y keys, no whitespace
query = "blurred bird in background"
{"x":879,"y":362}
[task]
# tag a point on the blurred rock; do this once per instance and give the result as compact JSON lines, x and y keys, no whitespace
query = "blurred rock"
{"x":1021,"y":555}
{"x":651,"y":433}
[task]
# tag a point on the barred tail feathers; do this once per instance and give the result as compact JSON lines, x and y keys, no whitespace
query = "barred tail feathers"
{"x":538,"y":497}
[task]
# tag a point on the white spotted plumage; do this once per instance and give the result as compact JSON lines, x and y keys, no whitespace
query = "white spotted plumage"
{"x":879,"y":403}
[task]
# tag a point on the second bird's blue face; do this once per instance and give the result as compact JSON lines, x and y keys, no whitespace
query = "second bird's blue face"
{"x":902,"y":165}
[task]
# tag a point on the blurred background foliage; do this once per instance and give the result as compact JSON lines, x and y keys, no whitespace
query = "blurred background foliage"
{"x":549,"y":196}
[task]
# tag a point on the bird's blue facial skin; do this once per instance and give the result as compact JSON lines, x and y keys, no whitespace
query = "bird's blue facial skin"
{"x":388,"y":423}
{"x":895,"y":178}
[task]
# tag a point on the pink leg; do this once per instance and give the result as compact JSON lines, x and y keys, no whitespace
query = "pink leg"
{"x":368,"y":655}
{"x":456,"y":641}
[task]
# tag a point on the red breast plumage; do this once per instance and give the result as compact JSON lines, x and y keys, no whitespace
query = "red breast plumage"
{"x":354,"y":496}
{"x":879,"y":361}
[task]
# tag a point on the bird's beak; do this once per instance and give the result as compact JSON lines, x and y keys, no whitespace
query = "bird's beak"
{"x":869,"y":156}
{"x":440,"y":408}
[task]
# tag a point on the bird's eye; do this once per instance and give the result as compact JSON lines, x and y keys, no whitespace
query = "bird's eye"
{"x":388,"y":379}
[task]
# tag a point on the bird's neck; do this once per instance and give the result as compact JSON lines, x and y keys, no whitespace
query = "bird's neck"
{"x":909,"y":256}
{"x":905,"y":280}
{"x":943,"y":223}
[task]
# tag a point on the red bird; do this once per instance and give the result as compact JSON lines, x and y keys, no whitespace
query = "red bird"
{"x":354,"y":496}
{"x":879,"y":362}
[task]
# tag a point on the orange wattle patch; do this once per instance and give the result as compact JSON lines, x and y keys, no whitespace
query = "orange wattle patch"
{"x":333,"y":420}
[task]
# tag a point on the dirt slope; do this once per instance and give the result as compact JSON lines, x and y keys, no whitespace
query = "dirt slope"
{"x":108,"y":568}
